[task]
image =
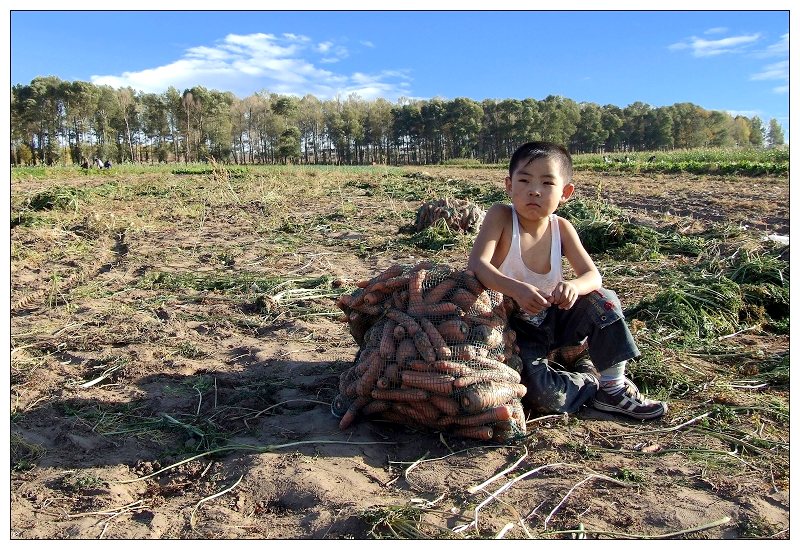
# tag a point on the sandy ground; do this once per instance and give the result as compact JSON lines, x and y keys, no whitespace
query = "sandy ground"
{"x":184,"y":371}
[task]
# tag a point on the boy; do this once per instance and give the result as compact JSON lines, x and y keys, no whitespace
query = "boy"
{"x":518,"y":253}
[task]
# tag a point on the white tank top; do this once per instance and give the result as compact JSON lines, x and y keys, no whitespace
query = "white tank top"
{"x":514,"y":267}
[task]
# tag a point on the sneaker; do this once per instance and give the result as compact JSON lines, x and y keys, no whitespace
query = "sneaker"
{"x":629,"y":402}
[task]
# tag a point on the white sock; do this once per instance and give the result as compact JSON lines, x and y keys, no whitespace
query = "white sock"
{"x":612,"y":379}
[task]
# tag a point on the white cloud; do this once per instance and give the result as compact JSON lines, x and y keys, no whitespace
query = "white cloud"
{"x":704,"y":48}
{"x":774,"y":71}
{"x":776,"y":49}
{"x":245,"y":64}
{"x":716,"y":30}
{"x":336,"y":53}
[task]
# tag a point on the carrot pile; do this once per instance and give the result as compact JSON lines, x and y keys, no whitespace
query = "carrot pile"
{"x":435,"y":352}
{"x":459,"y":215}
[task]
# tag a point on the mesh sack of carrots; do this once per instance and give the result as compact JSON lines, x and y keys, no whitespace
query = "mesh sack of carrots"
{"x":435,"y":352}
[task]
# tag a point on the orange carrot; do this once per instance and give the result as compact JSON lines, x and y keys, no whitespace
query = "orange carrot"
{"x":437,"y":293}
{"x":347,"y":378}
{"x":452,"y":367}
{"x":490,"y":320}
{"x":411,"y":394}
{"x":463,"y":352}
{"x":417,"y":413}
{"x":406,"y":351}
{"x":387,"y":348}
{"x":447,"y":405}
{"x":371,"y":310}
{"x":392,"y":415}
{"x":375,"y":406}
{"x":463,"y":298}
{"x":489,"y":416}
{"x":472,"y":283}
{"x":388,"y":273}
{"x":439,"y":345}
{"x":364,"y":361}
{"x":395,"y":283}
{"x":397,"y":300}
{"x":486,"y":335}
{"x":474,"y":432}
{"x":423,"y":411}
{"x":484,"y":376}
{"x":415,"y":301}
{"x":343,"y":318}
{"x":392,"y":373}
{"x":478,"y":397}
{"x":444,"y":422}
{"x":442,"y":309}
{"x":454,"y":331}
{"x":357,"y":298}
{"x":491,"y":364}
{"x":425,"y":264}
{"x":382,"y":383}
{"x":404,"y":320}
{"x":424,"y":346}
{"x":388,"y":286}
{"x":419,"y":366}
{"x":369,"y":378}
{"x":349,"y":416}
{"x":373,"y":298}
{"x":430,"y":381}
{"x":399,"y":332}
{"x":344,"y":301}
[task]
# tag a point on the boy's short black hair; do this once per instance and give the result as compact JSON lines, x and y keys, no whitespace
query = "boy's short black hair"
{"x":528,"y":152}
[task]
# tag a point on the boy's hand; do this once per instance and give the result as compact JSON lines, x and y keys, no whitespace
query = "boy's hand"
{"x":531,"y":300}
{"x":564,"y":295}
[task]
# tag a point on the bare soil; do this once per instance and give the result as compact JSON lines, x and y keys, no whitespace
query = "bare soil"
{"x":185,"y":371}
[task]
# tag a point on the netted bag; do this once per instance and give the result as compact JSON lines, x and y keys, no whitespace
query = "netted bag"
{"x":459,"y":215}
{"x":435,"y":352}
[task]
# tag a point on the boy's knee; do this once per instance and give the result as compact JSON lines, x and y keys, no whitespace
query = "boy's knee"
{"x":602,"y":305}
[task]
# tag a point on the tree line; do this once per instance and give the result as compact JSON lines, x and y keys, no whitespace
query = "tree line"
{"x":61,"y":122}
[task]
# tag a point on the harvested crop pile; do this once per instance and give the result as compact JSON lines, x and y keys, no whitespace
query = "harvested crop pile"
{"x":459,"y":215}
{"x":435,"y":352}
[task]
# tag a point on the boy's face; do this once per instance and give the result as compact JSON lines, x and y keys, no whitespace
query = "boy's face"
{"x":538,"y":188}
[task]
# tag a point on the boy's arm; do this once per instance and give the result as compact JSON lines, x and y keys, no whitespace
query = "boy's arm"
{"x":587,"y":277}
{"x":480,"y":261}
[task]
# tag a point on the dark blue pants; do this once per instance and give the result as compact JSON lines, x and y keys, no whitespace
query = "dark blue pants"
{"x":596,"y":317}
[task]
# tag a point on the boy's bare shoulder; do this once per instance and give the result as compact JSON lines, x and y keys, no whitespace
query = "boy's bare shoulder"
{"x":563,"y":222}
{"x":498,"y":215}
{"x":500,"y":210}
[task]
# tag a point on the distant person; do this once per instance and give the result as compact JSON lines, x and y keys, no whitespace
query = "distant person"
{"x":98,"y":163}
{"x":107,"y":165}
{"x":518,"y":252}
{"x":85,"y":164}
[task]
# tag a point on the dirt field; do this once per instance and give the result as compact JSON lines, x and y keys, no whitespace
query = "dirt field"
{"x":151,"y":322}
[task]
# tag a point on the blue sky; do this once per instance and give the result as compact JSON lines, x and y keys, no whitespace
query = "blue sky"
{"x":734,"y":60}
